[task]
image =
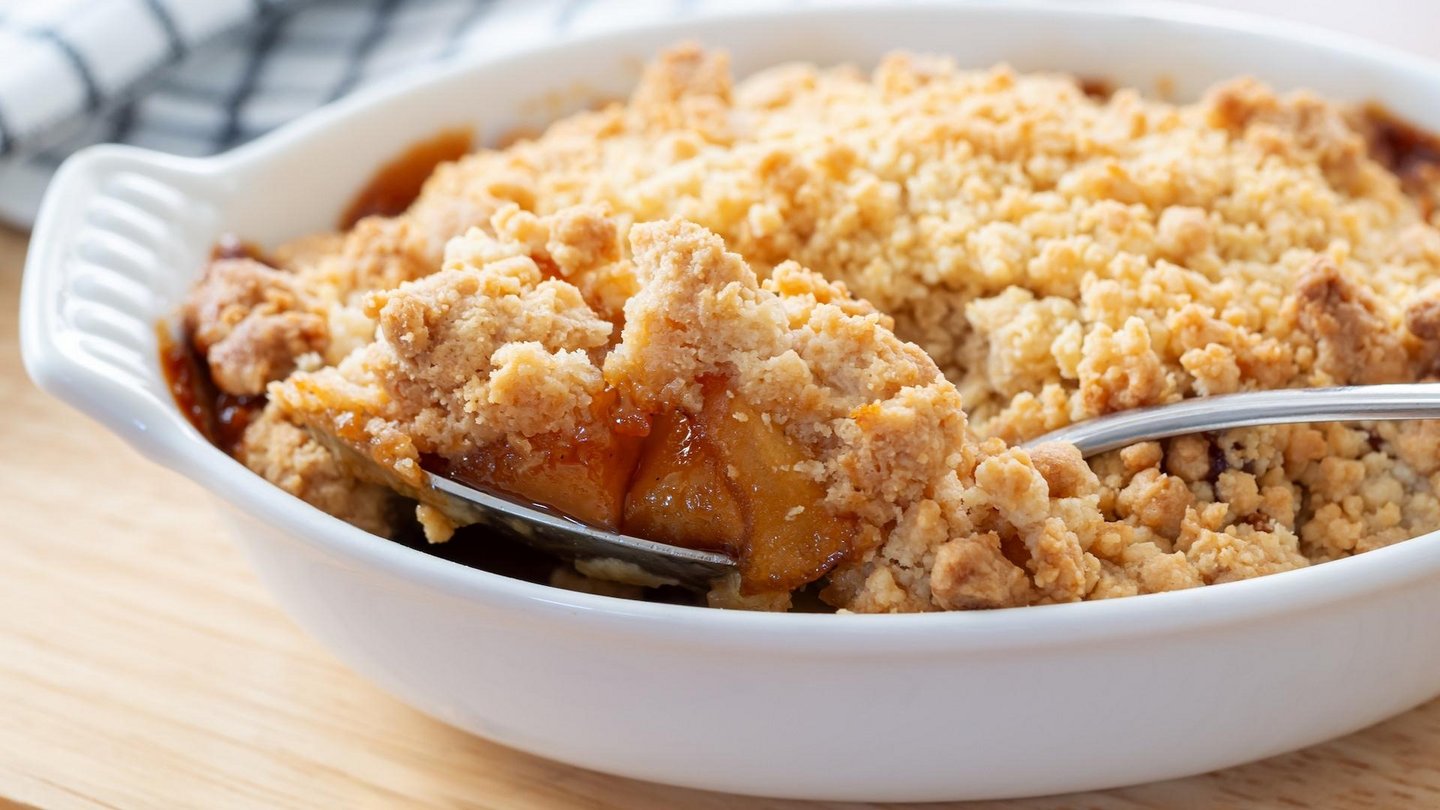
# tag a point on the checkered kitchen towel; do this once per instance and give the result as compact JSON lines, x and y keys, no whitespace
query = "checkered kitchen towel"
{"x":196,"y":77}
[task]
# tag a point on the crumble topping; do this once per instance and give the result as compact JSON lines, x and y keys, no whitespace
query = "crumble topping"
{"x":274,"y":447}
{"x":900,"y":276}
{"x":490,"y":348}
{"x":251,"y":322}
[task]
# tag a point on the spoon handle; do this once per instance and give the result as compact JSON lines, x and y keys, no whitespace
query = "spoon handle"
{"x":1250,"y":409}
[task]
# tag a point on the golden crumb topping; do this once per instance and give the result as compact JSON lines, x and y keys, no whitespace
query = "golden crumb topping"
{"x":883,"y":282}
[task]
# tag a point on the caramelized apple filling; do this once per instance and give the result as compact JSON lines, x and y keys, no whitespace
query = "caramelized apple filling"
{"x":728,"y":479}
{"x":584,"y":476}
{"x":724,"y":480}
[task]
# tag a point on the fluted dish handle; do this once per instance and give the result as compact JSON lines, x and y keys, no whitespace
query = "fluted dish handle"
{"x":121,"y":235}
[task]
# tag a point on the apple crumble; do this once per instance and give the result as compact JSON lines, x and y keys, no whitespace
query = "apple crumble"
{"x":806,"y":319}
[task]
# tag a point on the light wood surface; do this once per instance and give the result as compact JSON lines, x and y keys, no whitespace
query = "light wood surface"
{"x":141,"y":665}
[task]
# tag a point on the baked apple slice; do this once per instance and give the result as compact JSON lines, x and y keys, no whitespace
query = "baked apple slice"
{"x":728,"y":480}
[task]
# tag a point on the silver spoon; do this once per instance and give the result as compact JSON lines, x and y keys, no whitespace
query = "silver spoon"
{"x":642,"y":562}
{"x":650,"y":563}
{"x":1251,"y":409}
{"x":554,"y":533}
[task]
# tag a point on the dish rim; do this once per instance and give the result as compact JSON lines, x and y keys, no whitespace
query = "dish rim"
{"x":179,"y":446}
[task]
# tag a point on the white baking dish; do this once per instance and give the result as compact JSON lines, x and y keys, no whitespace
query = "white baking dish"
{"x":969,"y":705}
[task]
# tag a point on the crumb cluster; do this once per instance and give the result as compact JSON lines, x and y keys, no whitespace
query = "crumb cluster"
{"x":909,"y":272}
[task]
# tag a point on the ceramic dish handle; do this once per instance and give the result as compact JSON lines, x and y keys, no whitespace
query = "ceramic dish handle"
{"x":121,"y":234}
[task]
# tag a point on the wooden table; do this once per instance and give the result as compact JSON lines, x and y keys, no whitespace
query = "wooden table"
{"x":141,"y":665}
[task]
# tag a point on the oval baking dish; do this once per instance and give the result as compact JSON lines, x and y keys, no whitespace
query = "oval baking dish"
{"x":912,"y":707}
